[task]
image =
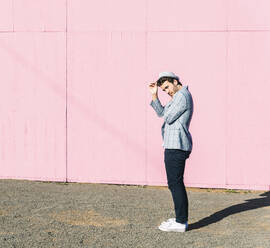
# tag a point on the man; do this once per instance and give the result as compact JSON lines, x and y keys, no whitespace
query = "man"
{"x":177,"y":142}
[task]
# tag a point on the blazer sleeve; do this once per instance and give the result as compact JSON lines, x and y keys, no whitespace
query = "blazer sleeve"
{"x":176,"y":109}
{"x":157,"y":106}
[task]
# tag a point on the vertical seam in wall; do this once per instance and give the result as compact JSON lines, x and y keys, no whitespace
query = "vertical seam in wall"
{"x":226,"y":93}
{"x":66,"y":92}
{"x":146,"y":95}
{"x":226,"y":110}
{"x":12,"y":15}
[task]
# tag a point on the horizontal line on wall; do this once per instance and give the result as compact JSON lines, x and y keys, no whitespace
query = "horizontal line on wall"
{"x":149,"y":31}
{"x":225,"y":30}
{"x":34,"y":31}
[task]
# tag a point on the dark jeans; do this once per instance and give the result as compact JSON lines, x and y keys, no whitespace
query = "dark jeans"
{"x":175,"y":160}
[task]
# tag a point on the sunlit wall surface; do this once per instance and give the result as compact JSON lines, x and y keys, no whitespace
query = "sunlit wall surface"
{"x":75,"y":104}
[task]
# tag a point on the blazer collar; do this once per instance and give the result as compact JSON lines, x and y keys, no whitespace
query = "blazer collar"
{"x":184,"y":87}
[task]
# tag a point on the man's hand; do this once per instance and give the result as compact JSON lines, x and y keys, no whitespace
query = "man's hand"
{"x":153,"y":88}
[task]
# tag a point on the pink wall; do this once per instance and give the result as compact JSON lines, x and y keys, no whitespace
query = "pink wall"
{"x":75,"y":99}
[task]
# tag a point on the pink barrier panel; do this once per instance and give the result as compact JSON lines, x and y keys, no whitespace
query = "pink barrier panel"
{"x":206,"y":79}
{"x":6,"y":15}
{"x":75,"y":103}
{"x":32,"y":110}
{"x":186,"y":15}
{"x":248,"y":137}
{"x":39,"y":15}
{"x":107,"y":107}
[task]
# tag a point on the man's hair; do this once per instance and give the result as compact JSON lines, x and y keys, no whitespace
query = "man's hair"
{"x":170,"y":79}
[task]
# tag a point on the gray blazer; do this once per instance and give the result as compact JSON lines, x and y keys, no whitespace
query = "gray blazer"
{"x":177,"y":115}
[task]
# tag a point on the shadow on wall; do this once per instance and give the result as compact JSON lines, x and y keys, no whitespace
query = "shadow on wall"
{"x":248,"y":205}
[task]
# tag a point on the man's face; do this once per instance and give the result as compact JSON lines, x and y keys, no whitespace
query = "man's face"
{"x":170,"y":88}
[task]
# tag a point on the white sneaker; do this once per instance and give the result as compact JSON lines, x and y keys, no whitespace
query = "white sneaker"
{"x":168,"y":221}
{"x":173,"y":226}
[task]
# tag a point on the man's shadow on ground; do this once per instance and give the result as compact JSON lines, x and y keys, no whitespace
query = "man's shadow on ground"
{"x":248,"y":205}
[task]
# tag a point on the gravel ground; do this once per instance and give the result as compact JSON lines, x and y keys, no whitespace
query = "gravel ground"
{"x":51,"y":214}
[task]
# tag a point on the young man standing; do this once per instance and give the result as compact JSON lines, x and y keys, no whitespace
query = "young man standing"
{"x":177,"y":143}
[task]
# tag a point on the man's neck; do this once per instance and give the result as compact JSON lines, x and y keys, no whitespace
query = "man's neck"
{"x":179,"y":87}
